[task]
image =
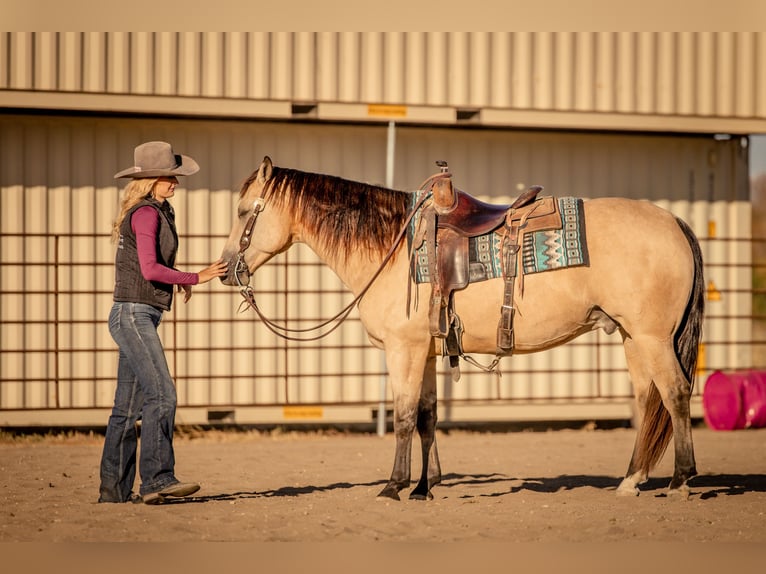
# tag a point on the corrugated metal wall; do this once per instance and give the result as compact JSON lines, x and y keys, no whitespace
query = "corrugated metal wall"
{"x":629,"y":77}
{"x":58,"y":198}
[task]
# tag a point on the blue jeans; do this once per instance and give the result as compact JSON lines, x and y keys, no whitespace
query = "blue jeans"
{"x":145,"y":391}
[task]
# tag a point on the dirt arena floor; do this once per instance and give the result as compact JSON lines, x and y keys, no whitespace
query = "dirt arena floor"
{"x":320,"y":487}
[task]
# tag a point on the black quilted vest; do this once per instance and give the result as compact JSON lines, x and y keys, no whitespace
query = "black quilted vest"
{"x":129,"y":284}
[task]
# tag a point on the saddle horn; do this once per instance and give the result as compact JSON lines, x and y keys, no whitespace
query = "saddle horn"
{"x":443,"y":192}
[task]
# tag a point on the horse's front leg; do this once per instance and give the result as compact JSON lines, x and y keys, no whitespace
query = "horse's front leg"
{"x":406,"y":376}
{"x":426,"y":423}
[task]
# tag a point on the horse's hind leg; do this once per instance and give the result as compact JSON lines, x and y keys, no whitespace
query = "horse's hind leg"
{"x":431,"y":470}
{"x":641,"y":382}
{"x":664,"y":412}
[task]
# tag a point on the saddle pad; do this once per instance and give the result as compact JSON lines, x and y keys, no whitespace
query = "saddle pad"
{"x":557,"y":248}
{"x":541,"y":250}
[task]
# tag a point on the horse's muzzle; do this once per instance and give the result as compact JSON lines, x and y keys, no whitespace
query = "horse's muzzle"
{"x":238,"y":274}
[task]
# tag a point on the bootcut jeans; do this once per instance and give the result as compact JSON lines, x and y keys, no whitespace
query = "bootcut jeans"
{"x":145,"y":391}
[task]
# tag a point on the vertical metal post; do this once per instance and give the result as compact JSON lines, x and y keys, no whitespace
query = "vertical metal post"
{"x":57,"y":373}
{"x":390,"y":148}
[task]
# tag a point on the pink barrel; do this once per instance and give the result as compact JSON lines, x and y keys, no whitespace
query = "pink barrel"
{"x":735,"y":400}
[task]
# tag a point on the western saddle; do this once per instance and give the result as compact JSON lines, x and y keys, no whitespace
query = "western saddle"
{"x":447,"y":221}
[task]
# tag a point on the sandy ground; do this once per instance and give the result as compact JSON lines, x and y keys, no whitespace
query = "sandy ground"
{"x":306,"y":502}
{"x":316,"y":487}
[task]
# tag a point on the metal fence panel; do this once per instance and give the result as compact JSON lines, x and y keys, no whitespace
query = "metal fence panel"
{"x":58,"y":199}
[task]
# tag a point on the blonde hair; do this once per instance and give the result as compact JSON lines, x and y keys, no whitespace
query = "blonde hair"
{"x":134,"y":192}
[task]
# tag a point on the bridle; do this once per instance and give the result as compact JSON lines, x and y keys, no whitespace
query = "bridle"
{"x":280,"y":330}
{"x":244,"y":242}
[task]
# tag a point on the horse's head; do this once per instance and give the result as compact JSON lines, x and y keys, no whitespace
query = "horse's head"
{"x":261,"y":230}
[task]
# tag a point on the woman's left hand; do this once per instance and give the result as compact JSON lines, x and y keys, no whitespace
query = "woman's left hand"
{"x":187,"y":289}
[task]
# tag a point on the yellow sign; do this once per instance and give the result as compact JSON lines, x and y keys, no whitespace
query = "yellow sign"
{"x":711,"y":229}
{"x":387,"y":111}
{"x":303,"y":412}
{"x":713,"y":294}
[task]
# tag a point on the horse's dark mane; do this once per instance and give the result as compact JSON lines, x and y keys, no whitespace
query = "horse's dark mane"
{"x":344,"y":215}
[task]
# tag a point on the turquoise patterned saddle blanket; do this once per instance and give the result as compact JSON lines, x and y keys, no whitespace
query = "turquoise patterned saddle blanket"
{"x":541,"y":250}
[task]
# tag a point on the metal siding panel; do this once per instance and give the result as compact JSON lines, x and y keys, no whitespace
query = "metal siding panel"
{"x":604,"y":85}
{"x":118,"y":62}
{"x":21,"y":61}
{"x":458,"y":65}
{"x":437,"y":78}
{"x":327,"y":73}
{"x":501,"y":70}
{"x":259,"y":65}
{"x":5,"y":57}
{"x":725,"y":67}
{"x":542,"y":79}
{"x":142,"y":63}
{"x":562,"y":72}
{"x":166,"y":64}
{"x":415,"y":62}
{"x":686,"y":87}
{"x":281,"y":66}
{"x":190,"y":57}
{"x":371,"y":79}
{"x":645,"y":101}
{"x":304,"y":67}
{"x":70,"y":61}
{"x":745,"y":74}
{"x":760,"y":77}
{"x":666,"y":73}
{"x":584,"y":77}
{"x":522,"y":70}
{"x":94,"y":65}
{"x":212,"y":64}
{"x":235,"y":65}
{"x":626,"y":61}
{"x":394,"y":68}
{"x":687,"y":75}
{"x":46,"y":61}
{"x":707,"y":91}
{"x":349,"y":64}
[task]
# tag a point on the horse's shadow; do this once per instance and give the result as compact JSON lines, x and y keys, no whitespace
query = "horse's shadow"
{"x":704,"y":486}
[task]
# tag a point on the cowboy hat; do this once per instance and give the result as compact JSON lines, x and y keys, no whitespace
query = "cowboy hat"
{"x":156,"y":159}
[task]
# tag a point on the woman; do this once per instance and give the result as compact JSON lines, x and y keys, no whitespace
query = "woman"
{"x":147,"y":243}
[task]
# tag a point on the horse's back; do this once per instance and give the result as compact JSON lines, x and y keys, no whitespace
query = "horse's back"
{"x":639,"y":276}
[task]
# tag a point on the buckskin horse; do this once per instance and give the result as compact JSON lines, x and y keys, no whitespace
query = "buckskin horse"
{"x":643,"y":279}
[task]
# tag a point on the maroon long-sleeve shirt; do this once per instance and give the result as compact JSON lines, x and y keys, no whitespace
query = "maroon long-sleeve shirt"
{"x":144,"y":222}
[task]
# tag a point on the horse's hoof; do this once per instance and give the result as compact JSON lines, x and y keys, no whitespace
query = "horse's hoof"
{"x":388,"y":494}
{"x":628,"y":493}
{"x":421,"y":496}
{"x":627,"y":489}
{"x":682,"y":492}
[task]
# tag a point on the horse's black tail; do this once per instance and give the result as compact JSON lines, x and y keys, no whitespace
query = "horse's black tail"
{"x":657,"y":429}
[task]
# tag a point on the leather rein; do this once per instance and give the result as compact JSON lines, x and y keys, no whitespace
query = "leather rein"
{"x":280,"y":330}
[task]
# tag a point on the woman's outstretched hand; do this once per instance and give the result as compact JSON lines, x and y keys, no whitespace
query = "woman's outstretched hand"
{"x":217,"y":269}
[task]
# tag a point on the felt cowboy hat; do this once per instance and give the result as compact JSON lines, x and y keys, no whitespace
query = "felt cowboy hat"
{"x":156,"y":159}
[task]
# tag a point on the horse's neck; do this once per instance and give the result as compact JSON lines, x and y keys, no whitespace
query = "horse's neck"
{"x":355,"y":271}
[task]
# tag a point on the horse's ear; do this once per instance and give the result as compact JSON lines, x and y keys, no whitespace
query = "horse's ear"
{"x":264,"y":172}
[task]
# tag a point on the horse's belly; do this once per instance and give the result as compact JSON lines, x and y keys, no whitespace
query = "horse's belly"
{"x":544,"y":317}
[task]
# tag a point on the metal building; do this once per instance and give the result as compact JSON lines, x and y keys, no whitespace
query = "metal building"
{"x":659,"y":116}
